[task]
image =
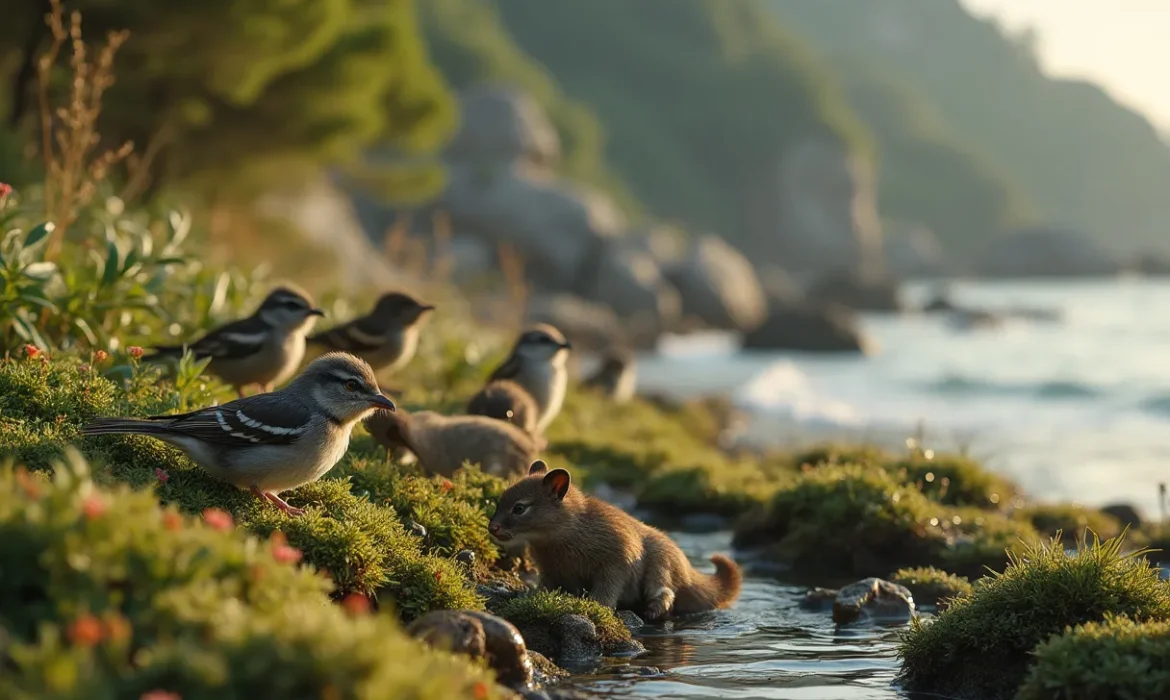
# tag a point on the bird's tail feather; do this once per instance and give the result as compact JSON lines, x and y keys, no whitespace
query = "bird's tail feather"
{"x":120,"y":426}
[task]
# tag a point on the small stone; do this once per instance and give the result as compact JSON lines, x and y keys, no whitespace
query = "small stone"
{"x":577,"y":639}
{"x":466,"y":557}
{"x":873,"y":599}
{"x":479,"y":635}
{"x":416,"y":529}
{"x":630,"y":619}
{"x":819,"y":599}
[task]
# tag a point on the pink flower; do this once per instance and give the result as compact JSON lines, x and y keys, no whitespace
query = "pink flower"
{"x":85,"y":631}
{"x":5,"y":190}
{"x":135,"y":351}
{"x":31,"y":351}
{"x":217,"y":519}
{"x":93,"y":507}
{"x":161,"y":475}
{"x":286,"y":554}
{"x":100,"y":356}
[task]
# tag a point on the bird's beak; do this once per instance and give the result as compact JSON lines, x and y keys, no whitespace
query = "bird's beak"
{"x":566,"y":345}
{"x":317,"y":312}
{"x":426,"y":307}
{"x":380,"y":401}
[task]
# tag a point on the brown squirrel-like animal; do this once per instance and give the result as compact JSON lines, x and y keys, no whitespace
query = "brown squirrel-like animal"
{"x":584,"y":545}
{"x":507,"y":401}
{"x":443,"y":443}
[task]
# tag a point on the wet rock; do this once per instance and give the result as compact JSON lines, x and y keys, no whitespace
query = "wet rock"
{"x":858,"y":291}
{"x":1125,"y":513}
{"x":873,"y":599}
{"x":416,"y":529}
{"x":1046,"y":252}
{"x":498,"y":592}
{"x":718,"y":285}
{"x":479,"y":635}
{"x":631,"y":620}
{"x":805,"y":327}
{"x":576,"y":639}
{"x":819,"y":599}
{"x":466,"y":557}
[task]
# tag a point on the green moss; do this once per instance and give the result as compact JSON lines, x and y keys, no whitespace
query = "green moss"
{"x":955,"y":480}
{"x":363,"y":546}
{"x":980,"y":646}
{"x":118,"y":597}
{"x":1116,"y":658}
{"x":1074,"y":522}
{"x":832,"y":453}
{"x":543,"y":608}
{"x":858,"y":520}
{"x":930,"y":586}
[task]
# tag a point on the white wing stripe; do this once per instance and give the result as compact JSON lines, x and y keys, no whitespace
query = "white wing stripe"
{"x":222,"y":423}
{"x":274,"y":429}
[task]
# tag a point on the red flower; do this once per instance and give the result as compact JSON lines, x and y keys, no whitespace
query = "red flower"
{"x":356,"y":604}
{"x":85,"y":631}
{"x":286,"y":554}
{"x":93,"y":507}
{"x":135,"y":351}
{"x":172,"y":521}
{"x":218,"y":519}
{"x":100,"y":356}
{"x":161,"y":475}
{"x":446,"y":485}
{"x":160,"y":695}
{"x":5,"y":190}
{"x":31,"y":351}
{"x":438,"y":575}
{"x":480,"y":691}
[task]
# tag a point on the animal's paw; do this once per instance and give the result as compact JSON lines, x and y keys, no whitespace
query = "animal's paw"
{"x":659,"y":606}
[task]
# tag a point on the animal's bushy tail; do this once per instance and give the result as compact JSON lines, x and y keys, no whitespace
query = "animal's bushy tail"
{"x":728,"y":580}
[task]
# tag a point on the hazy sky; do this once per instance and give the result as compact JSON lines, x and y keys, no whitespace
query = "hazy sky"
{"x":1120,"y":44}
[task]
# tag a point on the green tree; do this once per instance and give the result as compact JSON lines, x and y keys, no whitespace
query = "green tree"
{"x":227,"y":90}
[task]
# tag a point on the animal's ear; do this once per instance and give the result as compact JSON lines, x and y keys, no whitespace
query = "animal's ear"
{"x":556,"y":483}
{"x":538,"y":467}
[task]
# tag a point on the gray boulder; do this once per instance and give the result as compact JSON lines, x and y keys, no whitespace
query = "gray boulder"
{"x":629,"y":281}
{"x":860,"y":291}
{"x":802,"y":327}
{"x":479,"y":635}
{"x":1046,"y":252}
{"x":718,"y":285}
{"x":502,"y":124}
{"x":555,"y":226}
{"x":913,"y":252}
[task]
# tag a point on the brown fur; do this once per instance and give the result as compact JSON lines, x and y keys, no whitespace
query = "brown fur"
{"x":507,"y":401}
{"x":585,"y":546}
{"x":443,"y":443}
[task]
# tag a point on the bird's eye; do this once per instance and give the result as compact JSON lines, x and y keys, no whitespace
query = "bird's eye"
{"x":519,"y":508}
{"x":351,"y":385}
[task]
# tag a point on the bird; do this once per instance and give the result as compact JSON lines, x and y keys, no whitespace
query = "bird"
{"x":505,"y":400}
{"x":273,"y":442}
{"x":538,"y":363}
{"x":386,"y":338}
{"x":616,"y":377}
{"x":265,"y":348}
{"x":443,"y":443}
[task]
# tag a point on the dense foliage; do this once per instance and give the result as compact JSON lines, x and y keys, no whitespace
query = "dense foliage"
{"x":980,"y":646}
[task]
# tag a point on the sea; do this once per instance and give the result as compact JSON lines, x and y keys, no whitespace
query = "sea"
{"x":1074,"y":408}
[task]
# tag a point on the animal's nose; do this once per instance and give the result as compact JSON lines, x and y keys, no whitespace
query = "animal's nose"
{"x":494,"y":528}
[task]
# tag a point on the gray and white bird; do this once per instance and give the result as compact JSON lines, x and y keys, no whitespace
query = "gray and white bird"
{"x":265,"y":348}
{"x":538,"y":363}
{"x":269,"y":443}
{"x":617,"y":376}
{"x":387,"y":337}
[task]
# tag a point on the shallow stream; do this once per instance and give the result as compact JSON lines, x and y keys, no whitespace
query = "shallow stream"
{"x":764,"y":648}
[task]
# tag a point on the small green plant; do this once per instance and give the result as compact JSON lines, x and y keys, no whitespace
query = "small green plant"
{"x":1114,"y":658}
{"x":981,"y":646}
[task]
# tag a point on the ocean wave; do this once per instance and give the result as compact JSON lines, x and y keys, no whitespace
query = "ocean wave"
{"x":1049,"y":390}
{"x":783,"y":388}
{"x":1157,"y":405}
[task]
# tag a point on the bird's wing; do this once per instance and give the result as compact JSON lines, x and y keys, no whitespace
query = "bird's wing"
{"x":358,"y":336}
{"x":232,"y":341}
{"x":266,"y":419}
{"x":510,"y":369}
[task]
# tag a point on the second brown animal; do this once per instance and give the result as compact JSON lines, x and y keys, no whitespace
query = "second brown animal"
{"x":444,"y":443}
{"x":586,"y":546}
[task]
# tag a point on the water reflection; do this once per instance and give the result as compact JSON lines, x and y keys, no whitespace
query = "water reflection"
{"x":765,"y":648}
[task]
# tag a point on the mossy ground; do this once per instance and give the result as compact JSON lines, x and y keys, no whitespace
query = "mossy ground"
{"x":1114,"y":658}
{"x":115,"y":596}
{"x":980,"y":647}
{"x":1074,"y":522}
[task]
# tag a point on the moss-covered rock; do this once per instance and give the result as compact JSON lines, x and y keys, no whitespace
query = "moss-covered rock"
{"x":930,"y":586}
{"x":859,"y":520}
{"x":1074,"y":522}
{"x":114,"y":596}
{"x":567,"y":628}
{"x":980,"y":646}
{"x":954,"y":480}
{"x":1115,"y":658}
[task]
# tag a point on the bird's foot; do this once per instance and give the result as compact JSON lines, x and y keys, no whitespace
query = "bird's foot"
{"x":281,"y":504}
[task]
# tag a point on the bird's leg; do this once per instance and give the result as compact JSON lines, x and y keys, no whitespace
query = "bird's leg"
{"x":280,"y":503}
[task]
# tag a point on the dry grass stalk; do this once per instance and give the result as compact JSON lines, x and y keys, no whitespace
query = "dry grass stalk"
{"x":69,"y":133}
{"x":512,"y":267}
